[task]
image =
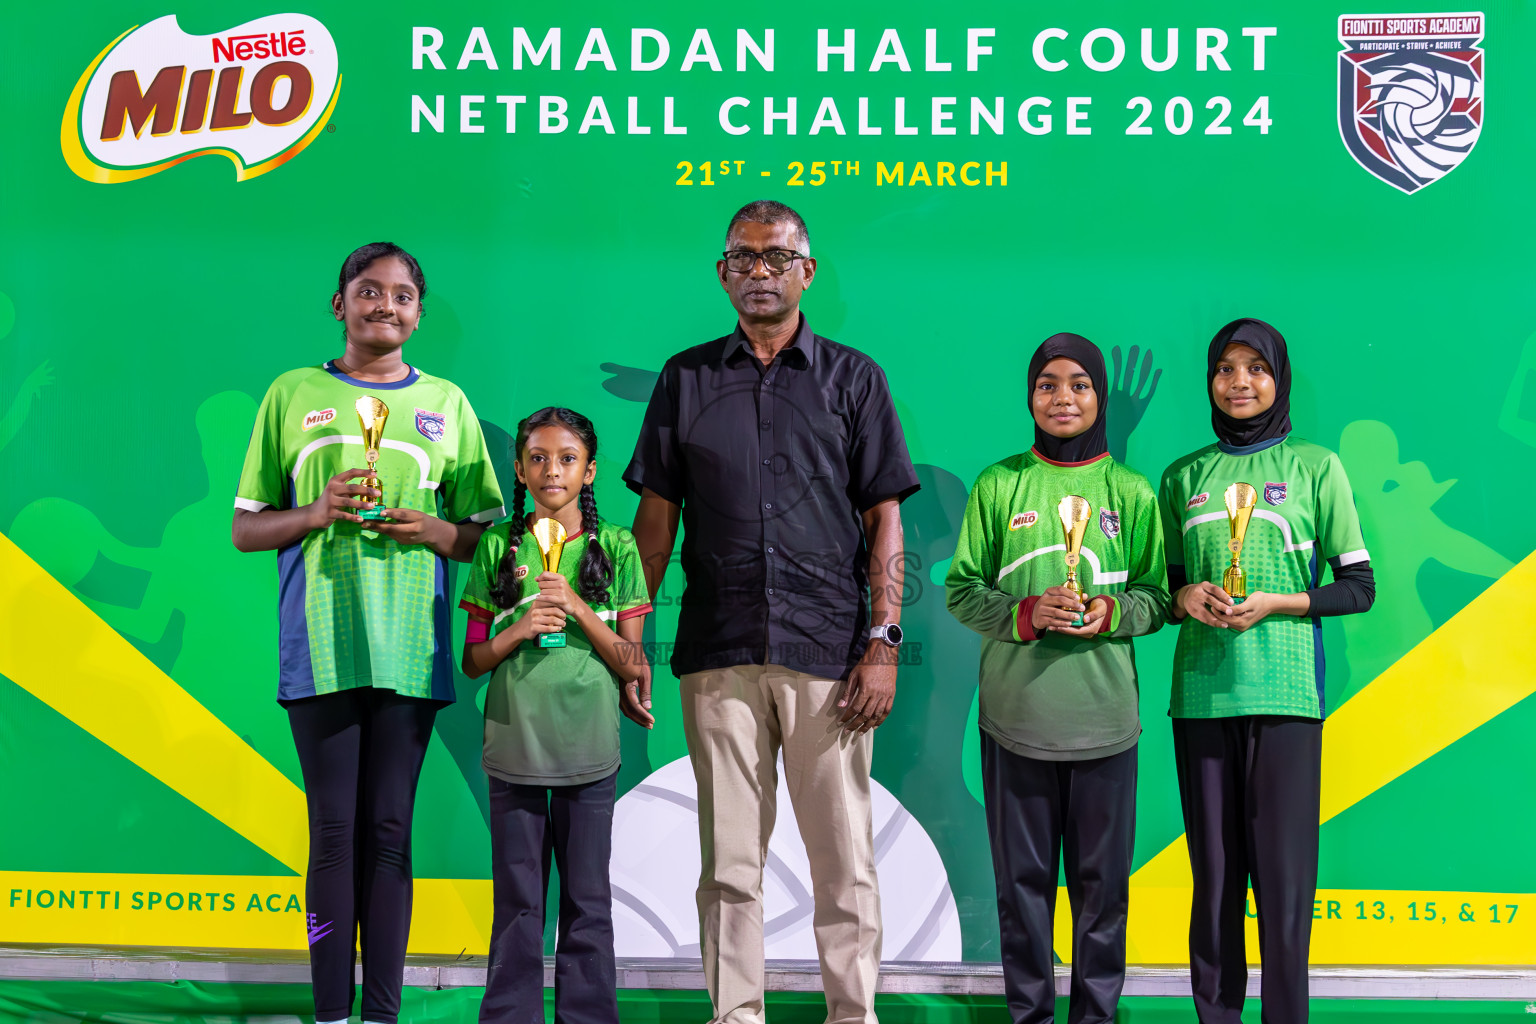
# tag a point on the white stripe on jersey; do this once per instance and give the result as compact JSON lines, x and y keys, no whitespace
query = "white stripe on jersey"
{"x":1351,"y":557}
{"x":490,"y":515}
{"x":414,"y":452}
{"x":1258,"y":513}
{"x":1099,"y":575}
{"x":514,"y":608}
{"x":250,"y":504}
{"x":606,"y":616}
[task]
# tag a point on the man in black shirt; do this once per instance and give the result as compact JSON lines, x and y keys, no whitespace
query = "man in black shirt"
{"x":781,"y":452}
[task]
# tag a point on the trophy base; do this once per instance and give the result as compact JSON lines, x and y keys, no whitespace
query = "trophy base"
{"x":1077,"y":620}
{"x":375,"y":514}
{"x":551,"y":640}
{"x":1236,"y":600}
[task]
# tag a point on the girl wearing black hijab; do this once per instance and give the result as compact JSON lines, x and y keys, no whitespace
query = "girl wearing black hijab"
{"x":1059,"y":722}
{"x":1247,"y":702}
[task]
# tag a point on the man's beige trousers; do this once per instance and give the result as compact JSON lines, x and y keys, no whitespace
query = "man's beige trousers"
{"x":736,"y":721}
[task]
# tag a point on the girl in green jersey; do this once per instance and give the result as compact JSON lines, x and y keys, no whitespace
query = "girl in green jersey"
{"x":1247,"y":701}
{"x":363,"y":663}
{"x":552,"y":720}
{"x":1059,"y":717}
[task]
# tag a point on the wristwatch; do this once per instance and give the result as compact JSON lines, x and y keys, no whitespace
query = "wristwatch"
{"x":890,"y":633}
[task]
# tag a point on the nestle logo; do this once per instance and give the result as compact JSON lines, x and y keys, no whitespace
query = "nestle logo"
{"x":153,"y":98}
{"x":260,"y":46}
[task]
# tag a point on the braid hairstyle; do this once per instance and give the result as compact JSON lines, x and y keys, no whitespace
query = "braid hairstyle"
{"x":507,"y":589}
{"x":596,"y":571}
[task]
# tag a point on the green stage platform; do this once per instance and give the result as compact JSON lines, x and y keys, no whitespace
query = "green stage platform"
{"x":187,"y":1002}
{"x":144,"y":985}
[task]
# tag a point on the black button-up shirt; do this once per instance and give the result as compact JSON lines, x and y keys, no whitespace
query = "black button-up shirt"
{"x":773,"y":467}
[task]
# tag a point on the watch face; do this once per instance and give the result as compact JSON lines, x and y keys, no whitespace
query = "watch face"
{"x":893,"y":635}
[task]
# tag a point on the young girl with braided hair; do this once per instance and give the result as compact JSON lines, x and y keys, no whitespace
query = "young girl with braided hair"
{"x":552,"y":720}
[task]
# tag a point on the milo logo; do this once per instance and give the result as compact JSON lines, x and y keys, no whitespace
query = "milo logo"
{"x":257,"y":94}
{"x":1197,"y":501}
{"x":319,"y":418}
{"x":1022,"y":519}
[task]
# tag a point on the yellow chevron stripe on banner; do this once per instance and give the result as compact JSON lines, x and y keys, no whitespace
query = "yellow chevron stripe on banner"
{"x":1476,"y":666}
{"x":61,"y":652}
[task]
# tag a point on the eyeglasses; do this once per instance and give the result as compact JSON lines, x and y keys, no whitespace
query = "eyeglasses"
{"x":741,"y":261}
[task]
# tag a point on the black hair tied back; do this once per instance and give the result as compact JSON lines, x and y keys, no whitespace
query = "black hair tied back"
{"x":507,"y":588}
{"x":358,"y":260}
{"x":595,"y":574}
{"x":596,"y":570}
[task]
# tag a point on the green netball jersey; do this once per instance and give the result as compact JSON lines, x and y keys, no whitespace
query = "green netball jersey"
{"x":1058,"y":698}
{"x":1305,"y":515}
{"x":552,"y":714}
{"x":357,"y":608}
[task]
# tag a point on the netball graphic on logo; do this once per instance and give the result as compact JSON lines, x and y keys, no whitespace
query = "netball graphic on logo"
{"x":1410,"y":93}
{"x":257,"y":93}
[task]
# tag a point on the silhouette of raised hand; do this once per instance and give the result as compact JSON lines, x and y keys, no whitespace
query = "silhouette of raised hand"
{"x":1517,"y":417}
{"x":1130,"y":392}
{"x":629,"y":382}
{"x":31,"y":387}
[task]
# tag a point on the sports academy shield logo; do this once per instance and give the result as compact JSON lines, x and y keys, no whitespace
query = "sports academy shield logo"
{"x":1109,"y":522}
{"x":431,"y":425}
{"x":1274,"y":493}
{"x":1410,"y":93}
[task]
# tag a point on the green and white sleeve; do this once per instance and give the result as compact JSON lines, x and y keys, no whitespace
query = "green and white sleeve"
{"x":471,"y":491}
{"x":264,"y":478}
{"x":1338,"y":522}
{"x":970,"y":588}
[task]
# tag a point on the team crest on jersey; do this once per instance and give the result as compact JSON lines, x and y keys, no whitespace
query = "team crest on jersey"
{"x":1023,"y":519}
{"x":432,"y":425}
{"x":1274,"y":493}
{"x":318,"y":418}
{"x":1197,"y":501}
{"x":1109,"y":522}
{"x":1410,"y":93}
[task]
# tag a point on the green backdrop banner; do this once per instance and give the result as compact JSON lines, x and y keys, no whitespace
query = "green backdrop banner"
{"x":184,"y":181}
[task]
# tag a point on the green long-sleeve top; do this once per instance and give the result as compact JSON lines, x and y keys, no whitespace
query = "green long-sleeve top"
{"x":1056,"y":697}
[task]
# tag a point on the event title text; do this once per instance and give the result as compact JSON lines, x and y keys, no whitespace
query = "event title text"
{"x":958,"y":51}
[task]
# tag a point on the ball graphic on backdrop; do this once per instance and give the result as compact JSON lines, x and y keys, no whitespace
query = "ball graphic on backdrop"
{"x":655,"y":873}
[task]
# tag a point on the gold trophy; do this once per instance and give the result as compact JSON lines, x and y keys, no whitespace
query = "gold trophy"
{"x":371,"y":414}
{"x":1240,"y":501}
{"x":551,"y":537}
{"x":1074,"y":513}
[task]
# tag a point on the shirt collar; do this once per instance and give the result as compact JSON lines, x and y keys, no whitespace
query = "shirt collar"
{"x":803,"y":347}
{"x":1066,"y":465}
{"x":1250,"y":449}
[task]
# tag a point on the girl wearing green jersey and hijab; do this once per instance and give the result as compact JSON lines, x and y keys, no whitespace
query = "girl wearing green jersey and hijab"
{"x":1247,"y":701}
{"x":1059,"y":721}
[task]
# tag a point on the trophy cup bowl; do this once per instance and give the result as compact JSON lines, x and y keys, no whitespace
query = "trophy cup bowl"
{"x":550,"y":536}
{"x":371,"y":414}
{"x":1074,"y":513}
{"x":1240,"y":499}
